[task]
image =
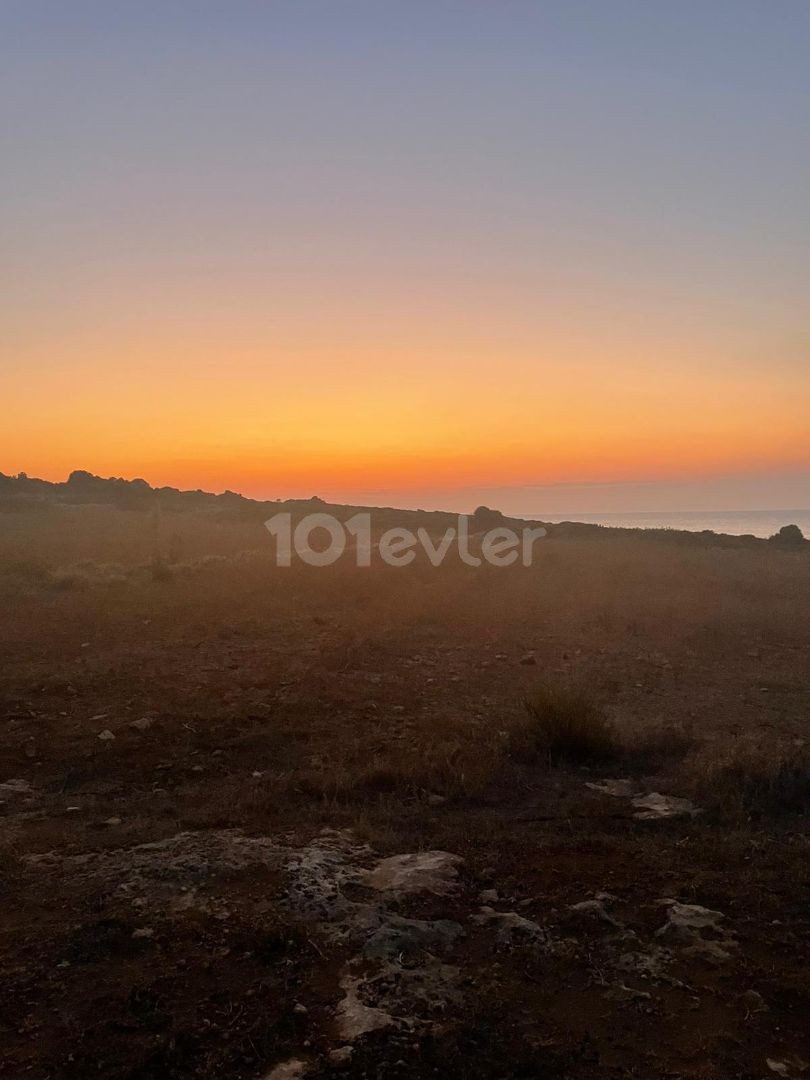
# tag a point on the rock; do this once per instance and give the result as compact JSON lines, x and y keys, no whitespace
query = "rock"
{"x":299,"y":1009}
{"x":317,"y":876}
{"x":528,"y":660}
{"x":406,"y":937}
{"x":624,"y":993}
{"x":594,"y":910}
{"x":489,"y":896}
{"x":288,"y":1070}
{"x":354,"y":1018}
{"x":654,"y":807}
{"x":512,"y":929}
{"x":711,"y":951}
{"x":436,"y":800}
{"x":14,"y":788}
{"x":686,"y":921}
{"x":143,"y":932}
{"x":619,"y":789}
{"x":649,"y":965}
{"x":699,"y":929}
{"x":793,"y":1066}
{"x":425,"y":871}
{"x":143,"y":724}
{"x":341,"y":1057}
{"x":112,"y":822}
{"x":106,"y":735}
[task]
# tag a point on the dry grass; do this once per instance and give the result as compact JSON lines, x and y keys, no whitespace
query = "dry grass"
{"x":754,"y":782}
{"x":563,"y":724}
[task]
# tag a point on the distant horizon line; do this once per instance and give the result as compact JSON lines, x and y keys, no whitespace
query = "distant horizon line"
{"x":550,"y":517}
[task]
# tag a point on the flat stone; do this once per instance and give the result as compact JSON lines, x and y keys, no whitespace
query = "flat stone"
{"x":655,"y":806}
{"x":354,"y":1018}
{"x":142,"y":724}
{"x":398,"y":936}
{"x":699,"y":929}
{"x":512,"y":929}
{"x":288,"y":1070}
{"x":686,"y":920}
{"x":594,"y":909}
{"x":341,"y":1057}
{"x":14,"y":787}
{"x":423,"y":871}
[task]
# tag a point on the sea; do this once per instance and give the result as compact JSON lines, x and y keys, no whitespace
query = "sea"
{"x":735,"y":522}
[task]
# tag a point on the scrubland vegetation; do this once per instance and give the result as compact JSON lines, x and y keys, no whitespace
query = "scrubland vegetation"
{"x":162,"y":677}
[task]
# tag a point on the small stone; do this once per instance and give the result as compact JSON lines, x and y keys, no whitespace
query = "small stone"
{"x":111,"y":822}
{"x":288,"y":1070}
{"x":654,"y":807}
{"x":354,"y":1018}
{"x":489,"y":896}
{"x":143,"y":724}
{"x":143,"y":933}
{"x":423,"y":871}
{"x":15,"y":787}
{"x":624,"y":993}
{"x":300,"y":1009}
{"x":593,"y":909}
{"x":436,"y":800}
{"x":528,"y":660}
{"x":512,"y":929}
{"x":106,"y":735}
{"x":341,"y":1058}
{"x":197,"y":768}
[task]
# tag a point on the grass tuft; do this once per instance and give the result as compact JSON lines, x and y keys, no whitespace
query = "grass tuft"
{"x":757,"y":782}
{"x":563,"y":724}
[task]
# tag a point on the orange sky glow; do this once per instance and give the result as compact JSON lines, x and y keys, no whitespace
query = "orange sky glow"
{"x":493,"y":253}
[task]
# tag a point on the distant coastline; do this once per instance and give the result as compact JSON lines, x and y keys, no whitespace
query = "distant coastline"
{"x":81,"y":488}
{"x":760,"y":523}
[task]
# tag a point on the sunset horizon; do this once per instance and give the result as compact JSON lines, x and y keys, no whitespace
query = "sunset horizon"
{"x":444,"y":248}
{"x":404,"y":539}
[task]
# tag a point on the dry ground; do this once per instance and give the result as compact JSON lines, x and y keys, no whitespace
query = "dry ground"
{"x":389,"y":702}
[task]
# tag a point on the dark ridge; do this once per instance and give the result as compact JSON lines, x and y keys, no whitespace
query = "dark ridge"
{"x":24,"y":493}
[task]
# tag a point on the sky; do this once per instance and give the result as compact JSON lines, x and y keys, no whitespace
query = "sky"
{"x":549,"y":254}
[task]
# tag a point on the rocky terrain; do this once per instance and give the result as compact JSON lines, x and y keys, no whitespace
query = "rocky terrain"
{"x":260,"y":824}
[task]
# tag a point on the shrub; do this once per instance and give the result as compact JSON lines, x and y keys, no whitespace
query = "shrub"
{"x":789,"y":536}
{"x":757,"y":782}
{"x":563,"y":724}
